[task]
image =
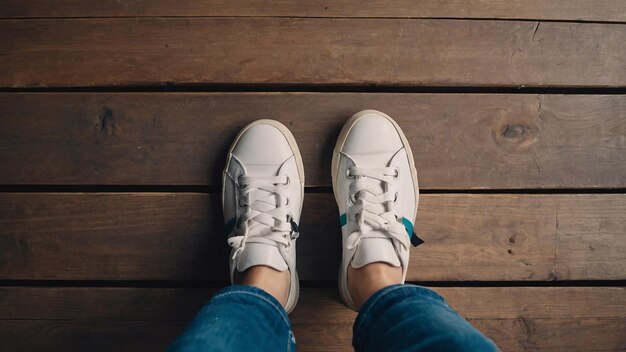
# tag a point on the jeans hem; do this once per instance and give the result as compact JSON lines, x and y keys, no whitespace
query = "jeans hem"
{"x":258,"y":293}
{"x":380,"y":299}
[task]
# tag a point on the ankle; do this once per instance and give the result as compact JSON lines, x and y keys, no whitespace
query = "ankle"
{"x":270,"y":280}
{"x":369,"y":279}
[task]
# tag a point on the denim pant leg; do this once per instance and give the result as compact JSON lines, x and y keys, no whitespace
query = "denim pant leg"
{"x":238,"y":318}
{"x":413,"y":318}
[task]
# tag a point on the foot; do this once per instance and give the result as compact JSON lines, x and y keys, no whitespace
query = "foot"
{"x":263,"y":189}
{"x":368,"y":279}
{"x":270,"y":280}
{"x":375,"y":185}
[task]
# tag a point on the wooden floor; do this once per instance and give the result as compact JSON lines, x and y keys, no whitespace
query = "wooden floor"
{"x":115,"y":116}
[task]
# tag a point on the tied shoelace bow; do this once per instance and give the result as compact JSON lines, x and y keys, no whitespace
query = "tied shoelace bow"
{"x":266,"y":218}
{"x":373,"y":199}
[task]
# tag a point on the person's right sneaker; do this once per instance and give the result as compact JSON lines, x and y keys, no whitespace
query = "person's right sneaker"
{"x":375,"y":186}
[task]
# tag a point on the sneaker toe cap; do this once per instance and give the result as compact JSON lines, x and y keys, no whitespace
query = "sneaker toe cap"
{"x":372,"y":134}
{"x":262,"y":144}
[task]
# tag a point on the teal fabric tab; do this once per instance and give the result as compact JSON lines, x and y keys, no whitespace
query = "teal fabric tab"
{"x":408,"y":226}
{"x":343,"y":220}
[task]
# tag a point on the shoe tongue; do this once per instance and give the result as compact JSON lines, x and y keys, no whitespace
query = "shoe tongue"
{"x":375,"y":249}
{"x":261,"y":254}
{"x":261,"y":170}
{"x":372,"y":160}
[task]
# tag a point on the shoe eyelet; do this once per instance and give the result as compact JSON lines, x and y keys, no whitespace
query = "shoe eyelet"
{"x":286,"y":201}
{"x":287,"y":182}
{"x":240,"y":203}
{"x":352,"y":199}
{"x":348,"y":175}
{"x":397,"y":173}
{"x":395,"y":198}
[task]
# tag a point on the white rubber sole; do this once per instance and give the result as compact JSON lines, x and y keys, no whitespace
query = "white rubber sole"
{"x":294,"y":287}
{"x":341,"y":140}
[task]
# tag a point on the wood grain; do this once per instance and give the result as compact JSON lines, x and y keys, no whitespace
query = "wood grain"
{"x":579,"y":10}
{"x":398,"y":52}
{"x":460,"y":141}
{"x":517,"y":318}
{"x":179,"y":236}
{"x":316,"y":305}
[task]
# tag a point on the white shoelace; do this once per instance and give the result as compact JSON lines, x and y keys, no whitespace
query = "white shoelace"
{"x":267,"y":218}
{"x":373,"y":199}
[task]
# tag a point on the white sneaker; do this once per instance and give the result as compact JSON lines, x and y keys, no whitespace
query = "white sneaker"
{"x":262,"y":193}
{"x":375,"y":185}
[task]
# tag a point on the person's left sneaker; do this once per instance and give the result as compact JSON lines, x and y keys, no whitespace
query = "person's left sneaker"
{"x":262,"y":194}
{"x":375,"y":185}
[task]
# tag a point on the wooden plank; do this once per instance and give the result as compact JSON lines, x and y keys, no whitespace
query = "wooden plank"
{"x":179,"y":236}
{"x":108,"y":236}
{"x":155,"y":51}
{"x":181,"y":304}
{"x":460,"y":141}
{"x":579,"y":10}
{"x":517,"y":318}
{"x":578,"y":239}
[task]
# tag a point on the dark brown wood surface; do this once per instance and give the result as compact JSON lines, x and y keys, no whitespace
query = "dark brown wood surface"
{"x":399,"y":52}
{"x":573,"y":10}
{"x":115,"y":117}
{"x":517,"y":318}
{"x":179,"y":236}
{"x":460,"y":141}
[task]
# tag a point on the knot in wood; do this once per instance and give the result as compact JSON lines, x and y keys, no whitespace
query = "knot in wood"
{"x":515,"y":131}
{"x":516,"y":136}
{"x":516,"y":238}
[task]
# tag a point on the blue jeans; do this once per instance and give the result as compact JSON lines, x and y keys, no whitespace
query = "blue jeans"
{"x":396,"y":318}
